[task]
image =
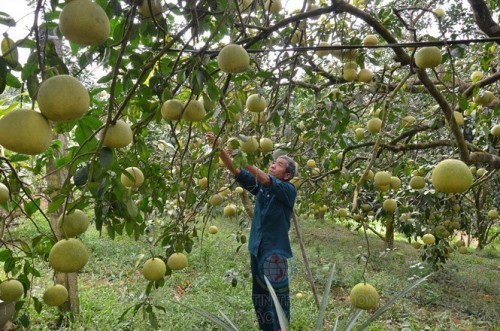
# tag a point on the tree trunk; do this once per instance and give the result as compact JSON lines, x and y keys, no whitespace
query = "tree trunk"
{"x":389,"y":233}
{"x":55,"y":181}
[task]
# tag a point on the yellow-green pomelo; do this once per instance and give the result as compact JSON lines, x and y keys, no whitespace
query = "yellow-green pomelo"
{"x":342,"y":212}
{"x":360,"y":133}
{"x":366,"y":206}
{"x":496,"y":130}
{"x":395,"y":183}
{"x":439,"y":12}
{"x":348,"y":55}
{"x":298,"y":36}
{"x":462,"y":250}
{"x":480,"y":172}
{"x":365,"y":75}
{"x":374,"y":125}
{"x":73,"y":224}
{"x":390,"y":205}
{"x":118,"y":135}
{"x":311,"y":163}
{"x":148,"y":11}
{"x":382,"y":178}
{"x":484,"y":97}
{"x":370,"y":175}
{"x":459,"y":118}
{"x":417,"y":182}
{"x":4,"y":193}
{"x":493,"y":214}
{"x":409,"y":120}
{"x":315,"y":172}
{"x":194,"y":112}
{"x":216,"y":199}
{"x":177,"y":261}
{"x":230,"y":210}
{"x":383,"y":188}
{"x":224,"y":191}
{"x":238,"y":190}
{"x":212,"y":229}
{"x":273,"y":6}
{"x":25,"y":131}
{"x":460,"y":243}
{"x":250,"y":146}
{"x":428,"y":239}
{"x":203,"y":183}
{"x":68,"y":255}
{"x":441,"y":231}
{"x":299,"y":295}
{"x":451,"y":176}
{"x":370,"y":40}
{"x":233,"y":59}
{"x":266,"y":145}
{"x":137,"y":177}
{"x":256,"y":103}
{"x":154,"y":269}
{"x":364,"y":296}
{"x":322,"y":52}
{"x":476,"y":76}
{"x":171,"y":110}
{"x":84,"y":22}
{"x":349,"y":74}
{"x":416,"y":245}
{"x":8,"y":45}
{"x":11,"y":290}
{"x":55,"y":295}
{"x":428,"y":57}
{"x":63,"y":98}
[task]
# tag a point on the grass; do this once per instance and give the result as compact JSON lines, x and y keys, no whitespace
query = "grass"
{"x":463,"y":296}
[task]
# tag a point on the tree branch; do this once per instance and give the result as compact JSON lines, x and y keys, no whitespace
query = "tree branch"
{"x":483,"y":18}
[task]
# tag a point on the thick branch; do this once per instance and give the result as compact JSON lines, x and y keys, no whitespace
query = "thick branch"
{"x":448,"y":113}
{"x":481,"y":157}
{"x":483,"y":18}
{"x":484,"y":82}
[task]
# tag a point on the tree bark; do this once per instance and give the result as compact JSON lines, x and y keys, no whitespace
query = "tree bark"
{"x":483,"y":18}
{"x":389,"y":233}
{"x":55,"y":182}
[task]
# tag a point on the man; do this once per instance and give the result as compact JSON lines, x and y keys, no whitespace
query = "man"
{"x":269,"y":244}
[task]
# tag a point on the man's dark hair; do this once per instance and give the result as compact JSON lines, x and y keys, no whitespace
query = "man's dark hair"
{"x":291,"y":166}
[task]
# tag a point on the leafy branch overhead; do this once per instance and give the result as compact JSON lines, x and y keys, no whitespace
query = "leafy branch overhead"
{"x":107,"y":106}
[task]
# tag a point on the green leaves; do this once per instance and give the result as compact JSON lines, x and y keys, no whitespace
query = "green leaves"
{"x":6,"y":19}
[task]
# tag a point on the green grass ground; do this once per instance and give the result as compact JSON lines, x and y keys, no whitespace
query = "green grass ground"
{"x":462,"y":296}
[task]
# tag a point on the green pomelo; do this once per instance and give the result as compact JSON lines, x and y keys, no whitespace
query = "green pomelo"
{"x":73,"y":224}
{"x":84,"y":22}
{"x":55,"y":295}
{"x":25,"y":131}
{"x":63,"y":98}
{"x":68,"y":255}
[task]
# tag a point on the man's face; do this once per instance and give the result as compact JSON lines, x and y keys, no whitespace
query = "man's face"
{"x":278,"y":169}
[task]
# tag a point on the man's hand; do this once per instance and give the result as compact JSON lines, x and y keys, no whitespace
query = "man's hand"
{"x":211,"y":139}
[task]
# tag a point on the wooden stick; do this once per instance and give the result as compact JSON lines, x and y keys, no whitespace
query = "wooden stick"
{"x":306,"y":261}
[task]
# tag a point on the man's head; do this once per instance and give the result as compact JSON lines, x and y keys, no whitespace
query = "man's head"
{"x":283,"y":168}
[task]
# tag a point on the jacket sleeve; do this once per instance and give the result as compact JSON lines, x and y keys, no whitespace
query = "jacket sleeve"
{"x":285,"y":192}
{"x":247,"y":181}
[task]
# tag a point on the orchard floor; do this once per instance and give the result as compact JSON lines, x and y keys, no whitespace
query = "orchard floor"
{"x":463,"y":296}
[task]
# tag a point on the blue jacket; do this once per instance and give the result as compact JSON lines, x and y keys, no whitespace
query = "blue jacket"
{"x":272,"y":213}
